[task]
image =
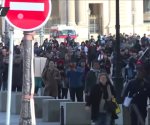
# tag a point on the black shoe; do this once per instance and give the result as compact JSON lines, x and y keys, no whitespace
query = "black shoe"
{"x":114,"y":116}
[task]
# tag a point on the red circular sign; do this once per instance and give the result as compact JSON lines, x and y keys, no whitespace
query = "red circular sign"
{"x":27,"y":15}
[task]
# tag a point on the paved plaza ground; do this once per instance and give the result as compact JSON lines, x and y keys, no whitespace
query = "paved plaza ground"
{"x":15,"y":120}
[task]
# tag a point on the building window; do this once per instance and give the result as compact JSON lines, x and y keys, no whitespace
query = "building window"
{"x":146,"y":6}
{"x":146,"y":10}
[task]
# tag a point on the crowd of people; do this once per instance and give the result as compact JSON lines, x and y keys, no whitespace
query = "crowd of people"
{"x":17,"y":75}
{"x":87,"y":69}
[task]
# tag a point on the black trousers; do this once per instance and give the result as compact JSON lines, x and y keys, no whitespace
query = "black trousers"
{"x":76,"y":92}
{"x":64,"y":93}
{"x":59,"y":91}
{"x":135,"y":119}
{"x":16,"y":87}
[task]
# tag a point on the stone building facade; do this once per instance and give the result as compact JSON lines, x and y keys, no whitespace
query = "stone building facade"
{"x":98,"y":16}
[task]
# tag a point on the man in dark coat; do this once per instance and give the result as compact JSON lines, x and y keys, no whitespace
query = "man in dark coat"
{"x":139,"y":90}
{"x":17,"y":78}
{"x":92,"y":53}
{"x":1,"y":68}
{"x":91,"y":77}
{"x":75,"y":82}
{"x":5,"y":61}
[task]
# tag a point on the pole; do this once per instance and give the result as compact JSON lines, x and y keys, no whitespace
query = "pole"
{"x":27,"y":116}
{"x":118,"y":80}
{"x":10,"y":68}
{"x":41,"y":35}
{"x":32,"y":86}
{"x":6,"y":34}
{"x":133,"y":22}
{"x":62,"y":115}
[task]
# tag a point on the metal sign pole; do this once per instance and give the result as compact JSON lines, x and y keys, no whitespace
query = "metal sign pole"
{"x":27,"y":116}
{"x":32,"y":86}
{"x":9,"y":78}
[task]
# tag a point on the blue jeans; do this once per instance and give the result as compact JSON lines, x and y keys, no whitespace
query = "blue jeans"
{"x":103,"y":119}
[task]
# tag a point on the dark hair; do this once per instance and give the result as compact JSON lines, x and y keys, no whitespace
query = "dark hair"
{"x":17,"y":50}
{"x":36,"y":43}
{"x":147,"y":66}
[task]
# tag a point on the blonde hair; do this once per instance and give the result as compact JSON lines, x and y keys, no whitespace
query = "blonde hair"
{"x":98,"y":76}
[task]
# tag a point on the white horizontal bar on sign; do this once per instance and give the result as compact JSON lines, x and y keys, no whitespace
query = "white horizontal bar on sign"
{"x":26,"y":6}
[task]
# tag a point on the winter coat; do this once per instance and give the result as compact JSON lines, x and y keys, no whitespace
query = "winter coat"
{"x":75,"y":78}
{"x":62,"y":53}
{"x":139,"y":89}
{"x":17,"y":78}
{"x":92,"y":53}
{"x":105,"y":64}
{"x":1,"y":65}
{"x":51,"y":78}
{"x":95,"y":97}
{"x":5,"y":68}
{"x":91,"y":80}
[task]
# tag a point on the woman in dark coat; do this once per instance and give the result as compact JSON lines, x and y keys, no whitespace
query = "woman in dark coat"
{"x":100,"y":93}
{"x":51,"y":76}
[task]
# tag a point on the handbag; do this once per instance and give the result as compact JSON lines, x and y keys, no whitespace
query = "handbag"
{"x":110,"y":106}
{"x":127,"y":101}
{"x":118,"y":110}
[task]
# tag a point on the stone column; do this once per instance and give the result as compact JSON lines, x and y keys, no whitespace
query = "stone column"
{"x":82,"y":12}
{"x":71,"y":12}
{"x":63,"y":11}
{"x":138,"y":16}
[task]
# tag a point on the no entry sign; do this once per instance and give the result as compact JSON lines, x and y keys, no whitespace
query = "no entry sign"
{"x":27,"y":15}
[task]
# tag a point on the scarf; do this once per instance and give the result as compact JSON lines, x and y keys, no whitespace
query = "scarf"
{"x":104,"y":90}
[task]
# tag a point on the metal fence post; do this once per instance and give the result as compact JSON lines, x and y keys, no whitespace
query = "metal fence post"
{"x":62,"y":115}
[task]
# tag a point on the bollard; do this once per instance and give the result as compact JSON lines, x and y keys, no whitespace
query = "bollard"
{"x":74,"y":113}
{"x":62,"y":115}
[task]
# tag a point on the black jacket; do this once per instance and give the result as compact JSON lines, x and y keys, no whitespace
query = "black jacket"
{"x":94,"y":99}
{"x":1,"y":65}
{"x":139,"y":89}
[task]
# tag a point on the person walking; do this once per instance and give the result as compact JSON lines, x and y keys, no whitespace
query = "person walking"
{"x":138,"y":91}
{"x":50,"y":77}
{"x":5,"y":62}
{"x":65,"y":84}
{"x":1,"y":68}
{"x":75,"y":82}
{"x":91,"y":78}
{"x":17,"y":79}
{"x":99,"y":95}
